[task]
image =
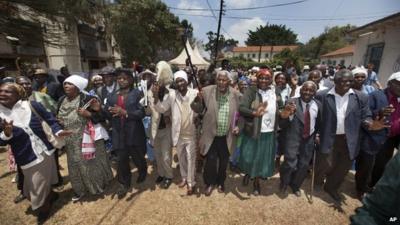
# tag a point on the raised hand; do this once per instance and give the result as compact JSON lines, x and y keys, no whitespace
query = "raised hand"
{"x":84,"y":113}
{"x":65,"y":133}
{"x":7,"y":127}
{"x":387,"y":111}
{"x":117,"y":111}
{"x":378,"y":124}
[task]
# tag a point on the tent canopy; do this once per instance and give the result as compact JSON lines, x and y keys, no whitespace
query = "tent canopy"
{"x":195,"y":56}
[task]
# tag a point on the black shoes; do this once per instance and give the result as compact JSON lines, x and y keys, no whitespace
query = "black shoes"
{"x":282,"y":188}
{"x":209,"y":190}
{"x":246,"y":180}
{"x":19,"y":198}
{"x":221,"y":188}
{"x":141,"y":178}
{"x":256,"y":188}
{"x":159,"y":179}
{"x":122,"y":191}
{"x":167,"y":182}
{"x":297,"y":193}
{"x":333,"y":194}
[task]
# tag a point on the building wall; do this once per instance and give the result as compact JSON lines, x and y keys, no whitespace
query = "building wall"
{"x":265,"y":55}
{"x":335,"y":60}
{"x":390,"y":61}
{"x":69,"y":54}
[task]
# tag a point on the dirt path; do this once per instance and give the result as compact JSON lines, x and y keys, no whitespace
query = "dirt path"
{"x":148,"y":204}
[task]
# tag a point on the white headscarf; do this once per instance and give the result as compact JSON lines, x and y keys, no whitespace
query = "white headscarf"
{"x":358,"y":70}
{"x":78,"y":81}
{"x":394,"y":76}
{"x":181,"y":74}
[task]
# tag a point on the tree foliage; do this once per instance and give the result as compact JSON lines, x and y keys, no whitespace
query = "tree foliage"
{"x":331,"y":39}
{"x":145,"y":28}
{"x":222,"y":43}
{"x":271,"y":34}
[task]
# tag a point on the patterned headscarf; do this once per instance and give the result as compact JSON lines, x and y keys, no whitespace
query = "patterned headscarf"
{"x":263,"y":72}
{"x":18,"y":89}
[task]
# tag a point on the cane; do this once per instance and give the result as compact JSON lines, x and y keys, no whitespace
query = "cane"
{"x":313,"y":175}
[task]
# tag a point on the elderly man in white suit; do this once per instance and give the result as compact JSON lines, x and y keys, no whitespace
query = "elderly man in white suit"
{"x":183,"y":129}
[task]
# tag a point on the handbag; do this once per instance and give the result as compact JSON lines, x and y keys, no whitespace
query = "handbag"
{"x":57,"y":142}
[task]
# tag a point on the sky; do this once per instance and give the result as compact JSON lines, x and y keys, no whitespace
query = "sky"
{"x":306,"y":18}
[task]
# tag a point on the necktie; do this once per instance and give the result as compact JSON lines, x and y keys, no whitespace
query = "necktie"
{"x":306,"y":131}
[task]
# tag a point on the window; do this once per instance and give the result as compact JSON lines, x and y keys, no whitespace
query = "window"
{"x":374,"y":55}
{"x":266,"y":55}
{"x":254,"y":55}
{"x":334,"y":62}
{"x":248,"y":55}
{"x":241,"y":55}
{"x":342,"y":62}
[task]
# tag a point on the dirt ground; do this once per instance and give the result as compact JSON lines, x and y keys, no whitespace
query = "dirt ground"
{"x":148,"y":204}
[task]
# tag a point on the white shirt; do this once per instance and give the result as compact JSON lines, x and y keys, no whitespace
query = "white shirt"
{"x":110,"y":89}
{"x":313,"y":113}
{"x":268,"y":119}
{"x":341,"y":108}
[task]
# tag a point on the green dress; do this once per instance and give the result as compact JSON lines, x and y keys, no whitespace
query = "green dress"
{"x":257,"y":156}
{"x":92,"y":175}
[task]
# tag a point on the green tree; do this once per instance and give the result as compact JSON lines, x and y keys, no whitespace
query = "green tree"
{"x":222,"y":43}
{"x":331,"y":39}
{"x":271,"y":34}
{"x":144,"y":28}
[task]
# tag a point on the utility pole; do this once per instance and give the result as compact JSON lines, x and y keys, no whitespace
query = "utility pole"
{"x":221,"y":9}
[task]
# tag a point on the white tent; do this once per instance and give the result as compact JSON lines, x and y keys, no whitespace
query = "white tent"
{"x":195,"y":56}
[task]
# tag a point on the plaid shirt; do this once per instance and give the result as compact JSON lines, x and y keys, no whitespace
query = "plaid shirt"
{"x":223,"y":114}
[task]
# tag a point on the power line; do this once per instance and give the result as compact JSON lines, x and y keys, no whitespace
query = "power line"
{"x":284,"y":19}
{"x":241,"y":9}
{"x":216,"y":19}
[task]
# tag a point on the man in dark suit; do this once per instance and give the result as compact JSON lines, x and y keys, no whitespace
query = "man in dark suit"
{"x":128,"y":134}
{"x":42,"y":83}
{"x":110,"y":85}
{"x":344,"y":112}
{"x":299,"y":128}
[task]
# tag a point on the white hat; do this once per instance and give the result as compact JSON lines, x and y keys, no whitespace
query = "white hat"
{"x":78,"y":81}
{"x":306,"y":67}
{"x":181,"y":74}
{"x":255,"y":68}
{"x":358,"y":70}
{"x":394,"y":76}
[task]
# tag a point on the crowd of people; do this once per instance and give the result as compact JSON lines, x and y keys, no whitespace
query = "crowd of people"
{"x":215,"y":119}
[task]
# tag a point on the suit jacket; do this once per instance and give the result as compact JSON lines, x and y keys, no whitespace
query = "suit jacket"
{"x":103,"y":93}
{"x":127,"y":131}
{"x":357,"y":114}
{"x":210,"y":118}
{"x":171,"y":102}
{"x":371,"y":141}
{"x":248,"y":103}
{"x":292,"y":130}
{"x":155,"y":117}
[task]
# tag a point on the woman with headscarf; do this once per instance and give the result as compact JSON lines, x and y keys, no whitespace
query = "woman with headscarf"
{"x":260,"y":108}
{"x":22,"y":129}
{"x":89,"y":171}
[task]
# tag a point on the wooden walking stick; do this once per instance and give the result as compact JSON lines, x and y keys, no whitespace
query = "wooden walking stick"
{"x":310,"y":200}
